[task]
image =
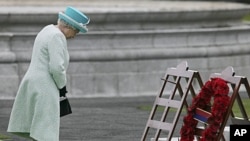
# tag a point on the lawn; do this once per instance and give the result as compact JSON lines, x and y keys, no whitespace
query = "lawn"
{"x":236,"y":110}
{"x":3,"y":137}
{"x":246,"y":18}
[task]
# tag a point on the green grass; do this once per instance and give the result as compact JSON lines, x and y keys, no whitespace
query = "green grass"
{"x":3,"y":137}
{"x":246,"y":17}
{"x":235,"y":109}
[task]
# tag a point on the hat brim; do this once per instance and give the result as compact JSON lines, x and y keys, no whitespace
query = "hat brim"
{"x":81,"y":27}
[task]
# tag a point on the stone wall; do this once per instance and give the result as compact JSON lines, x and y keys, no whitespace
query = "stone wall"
{"x":130,"y":59}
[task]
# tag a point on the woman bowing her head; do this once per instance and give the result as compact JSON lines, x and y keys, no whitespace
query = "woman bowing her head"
{"x":36,"y":113}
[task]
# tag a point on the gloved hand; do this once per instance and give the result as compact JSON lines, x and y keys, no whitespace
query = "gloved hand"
{"x":63,"y":91}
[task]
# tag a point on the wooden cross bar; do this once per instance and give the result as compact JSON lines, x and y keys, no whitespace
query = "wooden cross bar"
{"x":177,"y":74}
{"x":235,"y":82}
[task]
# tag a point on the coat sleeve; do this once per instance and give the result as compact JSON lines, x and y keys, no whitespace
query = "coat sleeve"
{"x":57,"y":49}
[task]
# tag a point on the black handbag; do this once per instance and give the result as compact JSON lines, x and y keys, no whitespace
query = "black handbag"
{"x":65,"y":107}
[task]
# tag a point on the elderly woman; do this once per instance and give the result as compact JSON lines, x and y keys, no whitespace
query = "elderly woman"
{"x":36,"y":112}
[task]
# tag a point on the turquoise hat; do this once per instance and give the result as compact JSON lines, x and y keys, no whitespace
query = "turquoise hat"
{"x":75,"y":18}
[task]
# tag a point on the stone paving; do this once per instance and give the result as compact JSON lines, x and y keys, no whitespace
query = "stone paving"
{"x":96,"y":119}
{"x":101,"y":119}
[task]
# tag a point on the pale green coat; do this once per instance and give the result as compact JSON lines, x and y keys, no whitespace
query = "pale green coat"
{"x":35,"y":112}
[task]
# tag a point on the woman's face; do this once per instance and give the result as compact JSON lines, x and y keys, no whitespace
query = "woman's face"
{"x":70,"y":32}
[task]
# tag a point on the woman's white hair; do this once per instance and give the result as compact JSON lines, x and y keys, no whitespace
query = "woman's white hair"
{"x":65,"y":24}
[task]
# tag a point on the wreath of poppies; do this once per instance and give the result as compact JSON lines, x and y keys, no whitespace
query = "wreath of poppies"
{"x":218,"y":89}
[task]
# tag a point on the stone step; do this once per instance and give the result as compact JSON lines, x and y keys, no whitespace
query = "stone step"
{"x":125,"y":15}
{"x":128,"y":45}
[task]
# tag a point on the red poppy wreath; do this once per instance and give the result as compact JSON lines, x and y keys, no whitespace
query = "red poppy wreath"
{"x":218,"y":89}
